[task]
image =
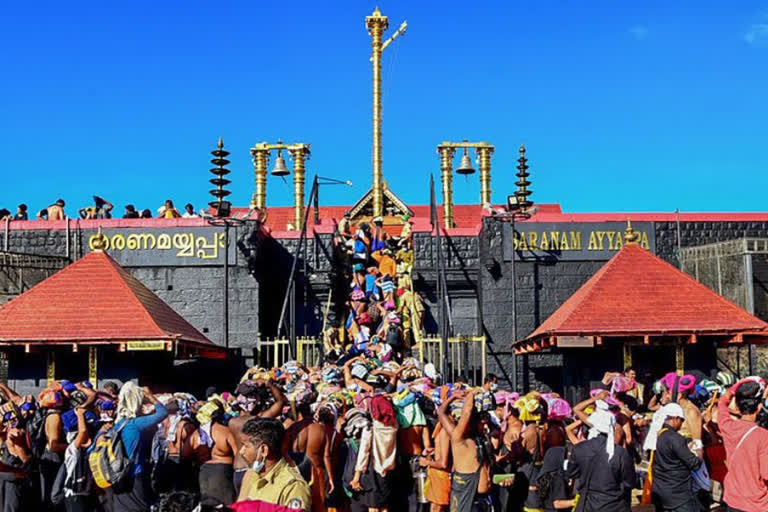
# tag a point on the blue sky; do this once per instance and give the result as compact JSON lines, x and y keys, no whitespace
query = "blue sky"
{"x":622,"y":106}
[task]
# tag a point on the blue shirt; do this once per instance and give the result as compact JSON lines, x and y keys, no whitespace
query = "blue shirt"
{"x":137,"y":436}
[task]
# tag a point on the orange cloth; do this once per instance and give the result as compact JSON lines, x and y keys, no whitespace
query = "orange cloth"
{"x":317,"y":487}
{"x":387,"y":264}
{"x":438,"y":487}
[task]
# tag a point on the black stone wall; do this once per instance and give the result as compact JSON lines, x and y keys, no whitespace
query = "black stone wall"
{"x":479,"y":282}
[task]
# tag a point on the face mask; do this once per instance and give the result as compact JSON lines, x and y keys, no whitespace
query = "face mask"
{"x":258,"y":465}
{"x":494,"y":387}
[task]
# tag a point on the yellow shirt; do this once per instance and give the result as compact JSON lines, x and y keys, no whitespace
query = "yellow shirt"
{"x":281,"y":485}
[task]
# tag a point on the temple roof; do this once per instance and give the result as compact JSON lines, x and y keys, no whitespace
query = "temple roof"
{"x":637,"y":294}
{"x":94,"y":300}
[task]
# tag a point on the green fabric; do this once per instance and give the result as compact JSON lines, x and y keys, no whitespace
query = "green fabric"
{"x":410,"y":416}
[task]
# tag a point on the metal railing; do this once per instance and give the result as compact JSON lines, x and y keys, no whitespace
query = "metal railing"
{"x":466,"y":357}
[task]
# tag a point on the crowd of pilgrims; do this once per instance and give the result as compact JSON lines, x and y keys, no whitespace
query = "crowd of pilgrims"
{"x":374,"y":427}
{"x":368,"y":434}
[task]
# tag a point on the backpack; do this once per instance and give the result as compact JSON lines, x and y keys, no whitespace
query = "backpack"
{"x":109,"y":462}
{"x":36,"y":438}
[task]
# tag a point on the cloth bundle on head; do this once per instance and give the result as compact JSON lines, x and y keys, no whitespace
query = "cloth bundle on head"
{"x":622,"y":384}
{"x":303,"y":394}
{"x":672,"y":410}
{"x":256,"y":373}
{"x":9,"y":412}
{"x":757,"y":380}
{"x":484,"y":402}
{"x":725,"y":379}
{"x":529,"y":407}
{"x":608,"y":400}
{"x":603,"y":422}
{"x":712,"y":387}
{"x":28,"y":403}
{"x":685,"y":384}
{"x":558,"y":409}
{"x":431,"y":373}
{"x":507,"y":400}
{"x":327,"y":407}
{"x":51,"y":397}
{"x":359,"y":371}
{"x":355,"y":421}
{"x":69,"y":420}
{"x":129,"y":400}
{"x":410,"y":415}
{"x":414,"y":371}
{"x":332,"y":375}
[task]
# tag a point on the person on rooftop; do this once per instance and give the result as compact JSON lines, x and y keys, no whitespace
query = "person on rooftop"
{"x":146,"y":213}
{"x":100,"y":210}
{"x":53,"y":212}
{"x":21,"y":212}
{"x":130,"y":212}
{"x":168,"y":211}
{"x":189,"y":212}
{"x":5,"y":214}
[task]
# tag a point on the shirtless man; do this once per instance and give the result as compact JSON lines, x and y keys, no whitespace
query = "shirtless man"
{"x":53,"y":457}
{"x":439,"y":467}
{"x":179,"y":468}
{"x":471,"y":475}
{"x":305,"y":445}
{"x":216,"y":474}
{"x":53,"y":212}
{"x":252,"y":408}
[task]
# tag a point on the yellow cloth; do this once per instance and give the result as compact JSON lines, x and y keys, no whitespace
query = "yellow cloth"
{"x":281,"y":485}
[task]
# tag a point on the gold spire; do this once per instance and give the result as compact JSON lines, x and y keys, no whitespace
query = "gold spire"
{"x":631,"y":237}
{"x":99,"y":242}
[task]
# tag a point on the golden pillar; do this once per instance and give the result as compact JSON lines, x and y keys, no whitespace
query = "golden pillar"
{"x":50,"y":366}
{"x":377,"y":24}
{"x":627,"y":355}
{"x":485,"y":175}
{"x":446,"y":178}
{"x":680,"y":358}
{"x":4,"y":367}
{"x":299,"y":156}
{"x":93,"y":366}
{"x":260,"y":158}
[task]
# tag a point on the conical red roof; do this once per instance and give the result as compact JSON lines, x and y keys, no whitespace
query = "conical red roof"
{"x":93,"y":299}
{"x":637,"y":293}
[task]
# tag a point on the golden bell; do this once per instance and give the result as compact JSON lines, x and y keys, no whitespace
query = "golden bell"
{"x":466,"y":164}
{"x":280,"y":169}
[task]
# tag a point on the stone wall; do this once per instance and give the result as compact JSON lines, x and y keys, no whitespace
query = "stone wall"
{"x":479,"y":280}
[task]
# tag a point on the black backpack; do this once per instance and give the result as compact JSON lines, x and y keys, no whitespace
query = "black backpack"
{"x":35,"y":428}
{"x":393,"y":337}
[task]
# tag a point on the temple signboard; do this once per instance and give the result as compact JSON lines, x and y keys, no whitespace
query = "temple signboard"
{"x":572,"y":240}
{"x":192,"y":246}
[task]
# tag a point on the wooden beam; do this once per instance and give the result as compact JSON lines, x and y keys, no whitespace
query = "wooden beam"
{"x":680,"y":358}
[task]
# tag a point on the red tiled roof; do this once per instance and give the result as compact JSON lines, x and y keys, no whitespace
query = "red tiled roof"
{"x":637,"y":293}
{"x":96,"y":300}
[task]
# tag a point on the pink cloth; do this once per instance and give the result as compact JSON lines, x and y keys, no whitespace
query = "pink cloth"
{"x":259,"y":506}
{"x":558,"y":409}
{"x":685,"y":383}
